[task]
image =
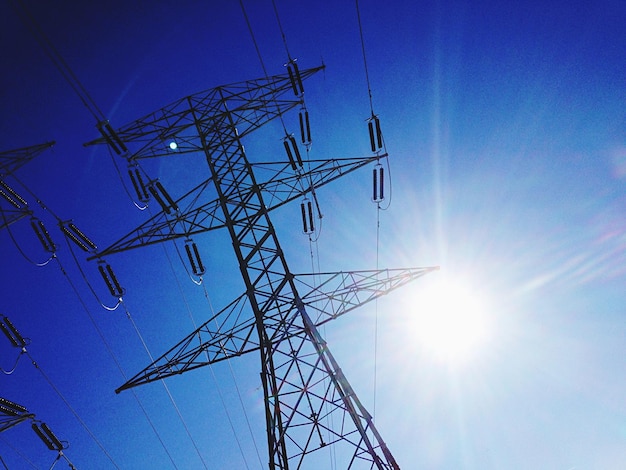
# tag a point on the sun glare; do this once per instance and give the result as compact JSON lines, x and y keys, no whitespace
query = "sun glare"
{"x":450,"y":320}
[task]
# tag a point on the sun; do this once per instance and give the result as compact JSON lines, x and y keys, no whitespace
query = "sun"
{"x":449,"y":320}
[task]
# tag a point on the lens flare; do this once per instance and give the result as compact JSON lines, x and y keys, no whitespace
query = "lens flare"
{"x":450,"y":320}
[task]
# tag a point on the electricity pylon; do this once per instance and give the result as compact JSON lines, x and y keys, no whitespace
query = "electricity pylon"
{"x":13,"y":206}
{"x":309,"y":403}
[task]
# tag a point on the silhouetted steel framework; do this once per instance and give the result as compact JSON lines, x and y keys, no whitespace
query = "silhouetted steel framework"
{"x":309,"y":403}
{"x":12,"y":414}
{"x":13,"y":206}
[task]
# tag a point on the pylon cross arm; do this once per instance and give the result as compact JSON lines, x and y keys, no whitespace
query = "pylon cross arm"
{"x":9,"y":216}
{"x":282,"y":187}
{"x":229,"y":333}
{"x":331,"y":295}
{"x":12,"y":160}
{"x":245,"y":105}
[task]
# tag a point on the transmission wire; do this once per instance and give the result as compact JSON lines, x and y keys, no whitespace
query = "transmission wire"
{"x":67,"y":403}
{"x":280,"y":26}
{"x":19,"y":248}
{"x":167,"y":390}
{"x":59,"y":62}
{"x":9,"y":372}
{"x":232,"y":373}
{"x":378,"y":205}
{"x":367,"y":76}
{"x":219,"y":391}
{"x":17,"y":452}
{"x":256,"y":45}
{"x":69,"y":76}
{"x":316,"y":269}
{"x":258,"y":52}
{"x":84,"y":307}
{"x":115,"y":360}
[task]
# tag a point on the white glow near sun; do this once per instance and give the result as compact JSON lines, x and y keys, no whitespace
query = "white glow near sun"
{"x":450,"y":320}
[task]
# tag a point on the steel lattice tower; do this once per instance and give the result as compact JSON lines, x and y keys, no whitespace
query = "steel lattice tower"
{"x":309,"y":403}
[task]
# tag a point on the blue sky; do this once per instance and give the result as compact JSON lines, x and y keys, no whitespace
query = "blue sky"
{"x":507,"y":141}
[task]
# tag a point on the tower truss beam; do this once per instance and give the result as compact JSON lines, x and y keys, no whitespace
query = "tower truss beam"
{"x":230,"y":332}
{"x":12,"y":160}
{"x":282,"y":186}
{"x":247,"y":105}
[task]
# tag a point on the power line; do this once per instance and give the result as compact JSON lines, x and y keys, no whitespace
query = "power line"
{"x":115,"y":360}
{"x":217,"y":385}
{"x":19,"y":453}
{"x":167,"y":390}
{"x":280,"y":27}
{"x":367,"y":76}
{"x":69,"y":406}
{"x":58,"y":60}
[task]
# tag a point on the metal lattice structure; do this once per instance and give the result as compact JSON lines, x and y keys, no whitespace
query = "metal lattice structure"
{"x":309,"y":403}
{"x":13,"y":206}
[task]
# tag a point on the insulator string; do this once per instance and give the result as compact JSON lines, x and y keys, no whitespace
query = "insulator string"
{"x":19,"y":248}
{"x":182,"y":261}
{"x":119,"y":175}
{"x":89,"y":286}
{"x":37,"y":200}
{"x":390,"y":191}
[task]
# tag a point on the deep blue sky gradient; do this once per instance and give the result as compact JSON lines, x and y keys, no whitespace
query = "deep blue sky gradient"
{"x":507,"y":140}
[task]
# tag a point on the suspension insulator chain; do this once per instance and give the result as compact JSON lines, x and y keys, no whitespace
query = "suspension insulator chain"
{"x":376,"y":135}
{"x":295,"y":78}
{"x":43,"y":235}
{"x":194,"y":258}
{"x":378,"y":183}
{"x":112,"y":138}
{"x":8,"y":193}
{"x":138,"y":184}
{"x":293,"y":152}
{"x":110,"y":279}
{"x":79,"y":238}
{"x":305,"y":127}
{"x":162,"y":197}
{"x":308,"y":225}
{"x":14,"y":336}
